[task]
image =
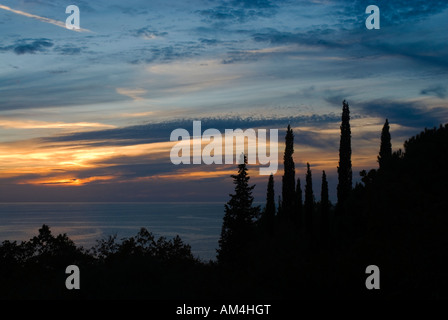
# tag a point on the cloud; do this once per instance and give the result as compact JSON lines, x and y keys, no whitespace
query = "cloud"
{"x":239,"y":11}
{"x":209,"y":42}
{"x":240,"y":56}
{"x":253,"y":4}
{"x":411,"y":114}
{"x":42,"y":45}
{"x":438,"y":91}
{"x":424,"y":51}
{"x":159,"y":132}
{"x":68,"y":49}
{"x":353,"y":44}
{"x":33,"y":124}
{"x":166,"y":54}
{"x":134,"y":94}
{"x":318,"y":38}
{"x":335,"y":97}
{"x":31,"y":46}
{"x":130,"y":10}
{"x":64,"y":181}
{"x":147,"y":34}
{"x":254,"y":55}
{"x":57,"y":71}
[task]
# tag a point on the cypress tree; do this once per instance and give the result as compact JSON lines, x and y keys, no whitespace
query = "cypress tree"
{"x":279,"y":209}
{"x":385,"y":154}
{"x":345,"y":162}
{"x":299,"y":204}
{"x":309,"y":199}
{"x":288,"y":179}
{"x":238,"y":218}
{"x":324,"y":208}
{"x":269,"y":212}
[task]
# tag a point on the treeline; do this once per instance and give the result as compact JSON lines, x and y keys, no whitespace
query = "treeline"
{"x":297,"y":213}
{"x":395,"y":218}
{"x":136,"y":267}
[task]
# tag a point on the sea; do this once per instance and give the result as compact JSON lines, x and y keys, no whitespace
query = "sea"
{"x":198,"y":224}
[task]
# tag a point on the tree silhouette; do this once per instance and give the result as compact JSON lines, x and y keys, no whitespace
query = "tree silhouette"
{"x":345,"y":162}
{"x":324,"y":208}
{"x":279,"y":207}
{"x":288,"y":180}
{"x":309,"y":199}
{"x":238,"y":218}
{"x":299,"y":204}
{"x":385,"y":154}
{"x":269,"y":211}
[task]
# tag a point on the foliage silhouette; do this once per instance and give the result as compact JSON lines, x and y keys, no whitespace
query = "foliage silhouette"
{"x":268,"y":218}
{"x":288,"y":179}
{"x":299,"y":205}
{"x":385,"y":154}
{"x":324,"y":210}
{"x":309,"y":200}
{"x":345,"y":162}
{"x":239,"y":218}
{"x":35,"y":269}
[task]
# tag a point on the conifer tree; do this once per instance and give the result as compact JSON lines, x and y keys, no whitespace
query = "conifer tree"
{"x":385,"y":154}
{"x":345,"y":162}
{"x":288,"y":180}
{"x":299,"y":204}
{"x":324,"y":207}
{"x":279,"y":208}
{"x":269,"y":212}
{"x":238,"y":219}
{"x":309,"y":199}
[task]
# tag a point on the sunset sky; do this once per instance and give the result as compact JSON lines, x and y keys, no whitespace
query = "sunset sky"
{"x":87,"y":115}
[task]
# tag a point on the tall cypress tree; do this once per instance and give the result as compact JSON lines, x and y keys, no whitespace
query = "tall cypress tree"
{"x":345,"y":159}
{"x":324,"y":208}
{"x":269,"y":211}
{"x":385,"y":154}
{"x":309,"y":199}
{"x":279,"y":208}
{"x":299,"y":204}
{"x":288,"y":179}
{"x":238,"y":218}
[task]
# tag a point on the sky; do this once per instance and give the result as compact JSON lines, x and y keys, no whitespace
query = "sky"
{"x":86,"y":115}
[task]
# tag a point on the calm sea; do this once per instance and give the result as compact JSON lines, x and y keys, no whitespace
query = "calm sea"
{"x":198,"y":224}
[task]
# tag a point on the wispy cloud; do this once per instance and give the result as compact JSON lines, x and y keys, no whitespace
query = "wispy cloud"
{"x":147,"y":34}
{"x":31,"y":46}
{"x":134,"y":94}
{"x":412,"y":114}
{"x":64,"y":181}
{"x":33,"y":124}
{"x":42,"y":19}
{"x":438,"y":91}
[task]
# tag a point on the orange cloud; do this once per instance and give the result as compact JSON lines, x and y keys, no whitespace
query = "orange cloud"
{"x":32,"y":124}
{"x":60,"y":163}
{"x":67,"y":181}
{"x":193,"y":174}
